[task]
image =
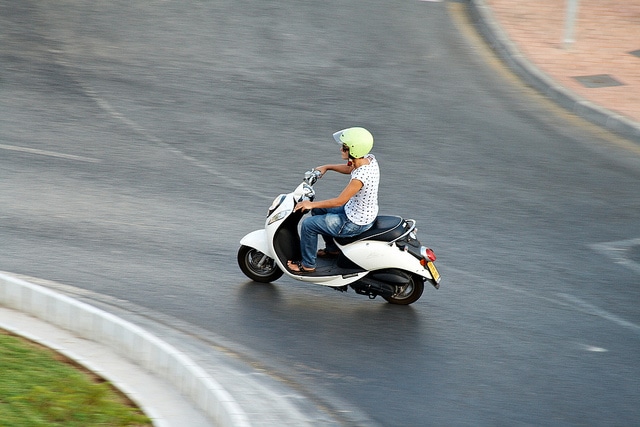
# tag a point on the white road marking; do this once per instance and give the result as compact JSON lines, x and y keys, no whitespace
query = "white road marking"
{"x":618,"y":252}
{"x":585,"y":307}
{"x":113,"y":112}
{"x":594,"y":348}
{"x":48,"y":153}
{"x":564,"y":300}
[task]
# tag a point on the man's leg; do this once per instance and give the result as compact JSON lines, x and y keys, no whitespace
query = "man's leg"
{"x":328,"y":224}
{"x":329,"y":243}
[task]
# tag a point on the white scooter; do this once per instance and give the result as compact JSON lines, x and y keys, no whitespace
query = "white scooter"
{"x":386,"y":260}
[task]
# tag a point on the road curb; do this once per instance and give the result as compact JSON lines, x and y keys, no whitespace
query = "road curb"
{"x":127,"y":340}
{"x":490,"y":29}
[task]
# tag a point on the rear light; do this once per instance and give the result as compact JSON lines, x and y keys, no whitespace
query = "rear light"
{"x":427,"y":255}
{"x":431,"y":255}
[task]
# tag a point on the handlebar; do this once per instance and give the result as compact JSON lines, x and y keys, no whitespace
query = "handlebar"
{"x":310,"y":177}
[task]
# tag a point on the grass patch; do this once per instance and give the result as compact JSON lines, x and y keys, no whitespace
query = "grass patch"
{"x":41,"y":388}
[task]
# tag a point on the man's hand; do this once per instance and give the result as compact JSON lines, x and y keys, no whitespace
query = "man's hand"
{"x":303,"y":206}
{"x":322,"y":169}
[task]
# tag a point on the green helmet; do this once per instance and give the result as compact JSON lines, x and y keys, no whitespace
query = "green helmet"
{"x":359,"y":141}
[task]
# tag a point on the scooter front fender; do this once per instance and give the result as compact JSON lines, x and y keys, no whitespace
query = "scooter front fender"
{"x":258,"y":240}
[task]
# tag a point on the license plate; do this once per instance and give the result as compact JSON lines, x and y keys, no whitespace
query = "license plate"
{"x":434,"y":271}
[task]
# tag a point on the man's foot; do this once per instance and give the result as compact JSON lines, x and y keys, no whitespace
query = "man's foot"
{"x":324,"y":253}
{"x":297,"y":268}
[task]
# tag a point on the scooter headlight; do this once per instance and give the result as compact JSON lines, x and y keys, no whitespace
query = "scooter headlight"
{"x":277,"y":217}
{"x":276,"y":202}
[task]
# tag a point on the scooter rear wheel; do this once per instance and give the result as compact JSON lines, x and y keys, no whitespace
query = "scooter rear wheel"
{"x":409,"y":293}
{"x":257,"y":266}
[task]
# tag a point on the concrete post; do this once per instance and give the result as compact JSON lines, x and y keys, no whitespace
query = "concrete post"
{"x":569,"y":23}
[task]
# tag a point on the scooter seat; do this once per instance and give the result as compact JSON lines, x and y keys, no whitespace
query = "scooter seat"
{"x":385,"y":228}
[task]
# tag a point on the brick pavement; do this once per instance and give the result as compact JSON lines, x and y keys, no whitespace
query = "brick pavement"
{"x":606,"y":33}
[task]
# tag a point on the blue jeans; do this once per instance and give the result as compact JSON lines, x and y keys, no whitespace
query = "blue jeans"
{"x":331,"y":222}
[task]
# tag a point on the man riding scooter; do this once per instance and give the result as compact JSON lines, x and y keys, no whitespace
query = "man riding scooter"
{"x":349,"y":214}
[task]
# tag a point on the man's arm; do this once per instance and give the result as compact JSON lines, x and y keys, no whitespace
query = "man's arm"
{"x":341,"y":167}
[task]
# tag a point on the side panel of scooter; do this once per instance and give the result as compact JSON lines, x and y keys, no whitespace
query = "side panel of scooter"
{"x":373,"y":255}
{"x":258,"y":240}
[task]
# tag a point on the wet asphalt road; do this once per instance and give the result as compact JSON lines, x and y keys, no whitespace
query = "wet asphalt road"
{"x":141,"y":140}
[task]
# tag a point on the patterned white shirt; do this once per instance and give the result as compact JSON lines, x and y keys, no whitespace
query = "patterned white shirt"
{"x":362,"y":208}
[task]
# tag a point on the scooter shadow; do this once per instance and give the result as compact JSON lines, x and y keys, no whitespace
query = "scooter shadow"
{"x":256,"y":291}
{"x":318,"y":310}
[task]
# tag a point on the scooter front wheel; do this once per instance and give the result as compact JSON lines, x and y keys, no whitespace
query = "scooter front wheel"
{"x":409,"y":293}
{"x":257,"y":266}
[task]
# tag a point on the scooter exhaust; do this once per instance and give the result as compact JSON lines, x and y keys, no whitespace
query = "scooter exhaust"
{"x":381,"y":283}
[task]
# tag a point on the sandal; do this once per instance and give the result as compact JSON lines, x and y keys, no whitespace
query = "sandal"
{"x":324,"y":253}
{"x":298,"y":268}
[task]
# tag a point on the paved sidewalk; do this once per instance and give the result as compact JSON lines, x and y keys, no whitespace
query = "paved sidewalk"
{"x":601,"y":66}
